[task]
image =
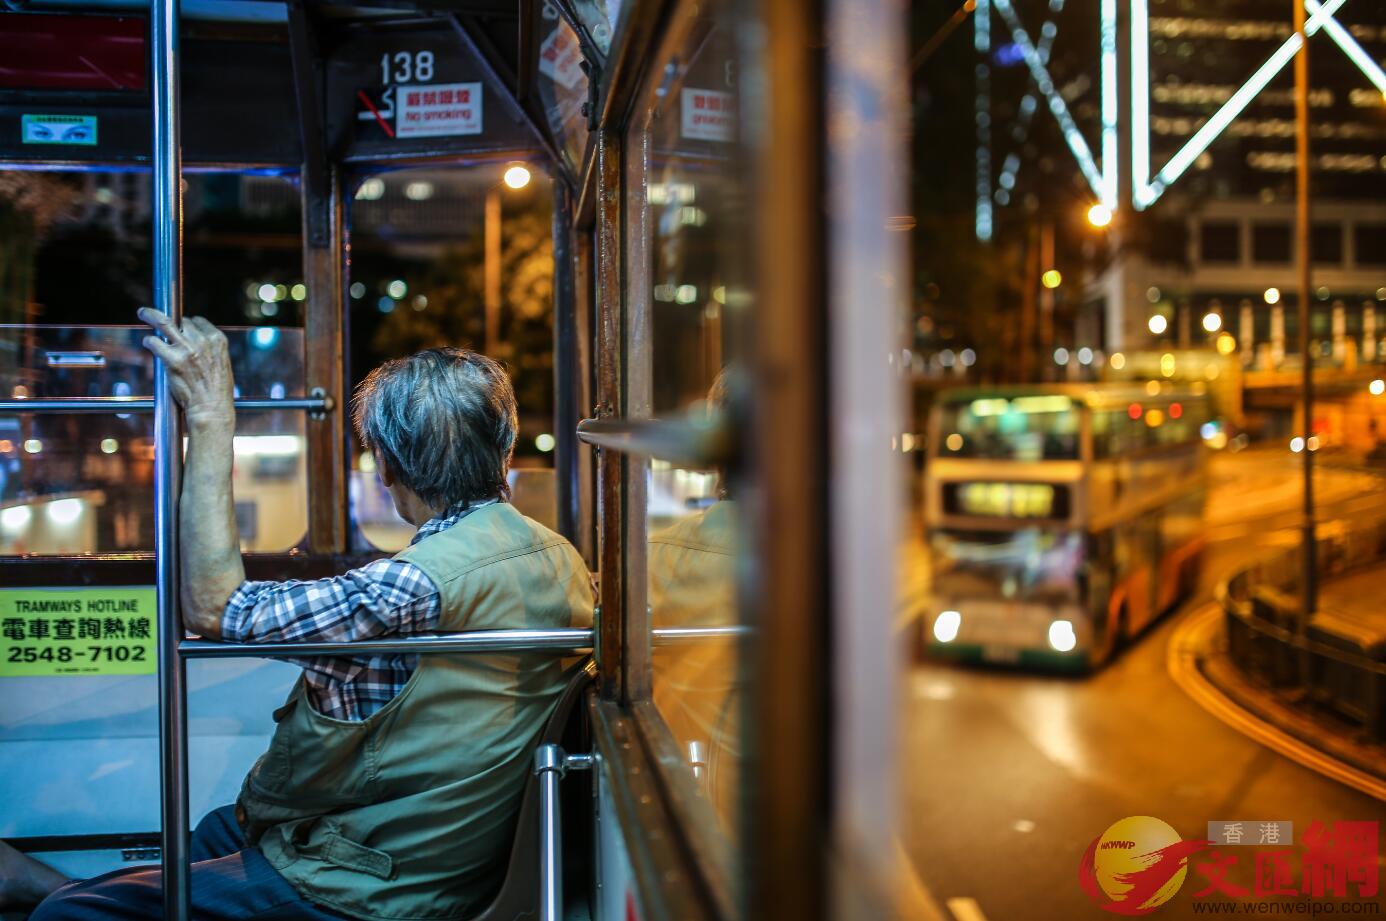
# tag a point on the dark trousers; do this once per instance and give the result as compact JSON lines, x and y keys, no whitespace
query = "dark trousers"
{"x":229,"y":881}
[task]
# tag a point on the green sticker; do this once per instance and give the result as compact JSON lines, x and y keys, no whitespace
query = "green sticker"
{"x":45,"y":632}
{"x":59,"y":129}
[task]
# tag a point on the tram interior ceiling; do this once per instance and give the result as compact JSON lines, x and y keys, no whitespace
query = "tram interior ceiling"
{"x":240,"y":103}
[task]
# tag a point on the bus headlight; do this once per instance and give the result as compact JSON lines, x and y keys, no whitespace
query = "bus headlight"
{"x":1061,"y":635}
{"x":946,"y":626}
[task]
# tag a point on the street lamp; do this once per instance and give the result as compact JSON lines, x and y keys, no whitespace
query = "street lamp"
{"x":1099,"y":215}
{"x":1158,"y":324}
{"x":1212,"y":321}
{"x":517,"y":176}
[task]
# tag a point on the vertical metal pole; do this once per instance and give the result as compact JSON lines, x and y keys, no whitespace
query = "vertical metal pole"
{"x":565,"y":365}
{"x":1310,"y":579}
{"x":168,"y":450}
{"x":548,"y":764}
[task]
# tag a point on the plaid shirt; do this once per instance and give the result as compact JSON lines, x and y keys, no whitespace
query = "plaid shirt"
{"x":385,"y":598}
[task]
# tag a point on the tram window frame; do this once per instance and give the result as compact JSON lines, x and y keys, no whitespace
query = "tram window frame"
{"x":706,"y":843}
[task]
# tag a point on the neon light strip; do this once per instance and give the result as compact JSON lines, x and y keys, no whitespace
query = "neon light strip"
{"x":1140,"y":103}
{"x":981,"y":40}
{"x":1048,"y":32}
{"x":1236,"y":104}
{"x":1351,"y":48}
{"x":1110,"y":104}
{"x":1040,"y":73}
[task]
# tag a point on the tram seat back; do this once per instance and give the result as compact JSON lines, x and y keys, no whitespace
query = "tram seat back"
{"x":518,"y":897}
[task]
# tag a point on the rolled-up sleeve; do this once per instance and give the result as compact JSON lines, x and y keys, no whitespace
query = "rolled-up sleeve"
{"x":387,"y":597}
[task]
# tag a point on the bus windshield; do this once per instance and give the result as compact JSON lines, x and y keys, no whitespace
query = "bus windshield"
{"x":1026,"y":565}
{"x":1022,"y":428}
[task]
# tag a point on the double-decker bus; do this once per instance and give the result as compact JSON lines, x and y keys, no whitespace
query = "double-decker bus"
{"x":1062,"y":520}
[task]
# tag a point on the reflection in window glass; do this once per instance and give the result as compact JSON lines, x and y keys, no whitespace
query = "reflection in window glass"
{"x":78,"y":248}
{"x":599,"y":19}
{"x":684,"y":158}
{"x":562,"y":82}
{"x":455,"y":257}
{"x":84,"y":483}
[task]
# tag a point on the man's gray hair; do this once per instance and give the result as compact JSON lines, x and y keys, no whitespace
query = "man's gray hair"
{"x":443,"y":421}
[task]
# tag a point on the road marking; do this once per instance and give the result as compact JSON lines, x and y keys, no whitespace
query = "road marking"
{"x":966,"y":910}
{"x":1182,"y":662}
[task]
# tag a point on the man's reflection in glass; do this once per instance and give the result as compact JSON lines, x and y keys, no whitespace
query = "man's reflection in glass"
{"x":692,"y":583}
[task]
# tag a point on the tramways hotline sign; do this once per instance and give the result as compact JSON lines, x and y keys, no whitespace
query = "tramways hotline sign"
{"x":52,"y":632}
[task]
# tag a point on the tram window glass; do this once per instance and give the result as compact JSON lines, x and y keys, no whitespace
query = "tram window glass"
{"x":81,"y":752}
{"x":455,"y":257}
{"x":78,"y":257}
{"x":562,"y":82}
{"x":681,"y":155}
{"x":85,"y":483}
{"x":79,"y":247}
{"x":1023,"y":428}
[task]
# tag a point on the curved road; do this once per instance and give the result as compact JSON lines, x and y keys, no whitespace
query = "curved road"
{"x":1009,"y":775}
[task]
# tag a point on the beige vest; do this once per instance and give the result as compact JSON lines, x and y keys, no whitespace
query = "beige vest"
{"x":409,"y":814}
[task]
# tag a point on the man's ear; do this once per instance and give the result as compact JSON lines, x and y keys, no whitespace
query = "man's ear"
{"x":382,"y":469}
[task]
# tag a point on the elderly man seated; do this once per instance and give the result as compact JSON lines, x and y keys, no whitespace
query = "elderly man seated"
{"x":391,"y":787}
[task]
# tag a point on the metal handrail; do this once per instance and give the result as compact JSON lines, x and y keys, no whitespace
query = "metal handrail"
{"x":705,"y":442}
{"x":147,"y":405}
{"x":476,"y":641}
{"x":1248,"y":616}
{"x":558,"y":640}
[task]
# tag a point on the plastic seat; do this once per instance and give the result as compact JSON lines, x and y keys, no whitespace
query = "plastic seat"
{"x":518,"y":897}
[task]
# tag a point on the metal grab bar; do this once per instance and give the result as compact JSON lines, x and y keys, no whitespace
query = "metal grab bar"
{"x":563,"y":640}
{"x":552,"y":764}
{"x":691,"y":636}
{"x":476,"y":641}
{"x":146,"y":405}
{"x":701,"y":441}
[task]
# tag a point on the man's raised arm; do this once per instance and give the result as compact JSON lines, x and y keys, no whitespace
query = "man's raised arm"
{"x":199,"y":373}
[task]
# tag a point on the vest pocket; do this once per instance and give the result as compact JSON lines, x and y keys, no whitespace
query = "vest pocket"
{"x":350,"y":855}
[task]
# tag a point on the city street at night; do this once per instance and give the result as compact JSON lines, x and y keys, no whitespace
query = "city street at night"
{"x":1031,"y":767}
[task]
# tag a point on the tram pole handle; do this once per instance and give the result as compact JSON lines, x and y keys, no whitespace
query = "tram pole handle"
{"x":551,"y":764}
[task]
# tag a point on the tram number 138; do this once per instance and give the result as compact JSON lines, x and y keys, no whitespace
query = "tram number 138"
{"x":406,"y":67}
